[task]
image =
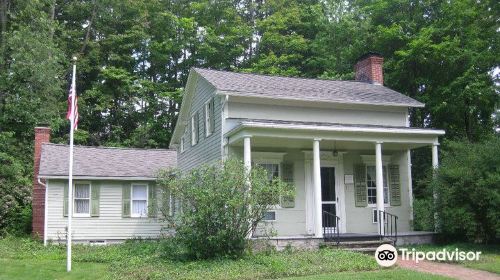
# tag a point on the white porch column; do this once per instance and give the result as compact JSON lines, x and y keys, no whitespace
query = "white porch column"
{"x":247,"y":162}
{"x":435,"y":158}
{"x":247,"y":153}
{"x":435,"y":165}
{"x":318,"y":213}
{"x":380,"y":185}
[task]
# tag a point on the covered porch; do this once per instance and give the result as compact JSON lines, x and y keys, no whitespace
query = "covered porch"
{"x":348,"y":178}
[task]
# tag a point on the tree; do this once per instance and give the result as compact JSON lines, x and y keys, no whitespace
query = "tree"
{"x":468,"y":190}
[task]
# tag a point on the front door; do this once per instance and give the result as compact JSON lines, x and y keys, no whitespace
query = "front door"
{"x":328,"y":197}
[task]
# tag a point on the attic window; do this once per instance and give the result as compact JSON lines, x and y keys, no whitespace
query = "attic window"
{"x":194,"y":129}
{"x":209,"y":118}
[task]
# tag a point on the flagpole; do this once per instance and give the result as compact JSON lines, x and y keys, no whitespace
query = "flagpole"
{"x":70,"y":169}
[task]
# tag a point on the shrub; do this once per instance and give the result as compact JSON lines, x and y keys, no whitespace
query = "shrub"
{"x":468,"y":188}
{"x":219,"y":209}
{"x":423,"y":211}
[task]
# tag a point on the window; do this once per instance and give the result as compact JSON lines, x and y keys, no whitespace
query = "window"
{"x":139,"y":200}
{"x":371,"y":184}
{"x":82,"y":199}
{"x":209,"y":118}
{"x":182,"y":144}
{"x":194,"y":129}
{"x":375,"y":216}
{"x":269,"y":216}
{"x":273,"y":170}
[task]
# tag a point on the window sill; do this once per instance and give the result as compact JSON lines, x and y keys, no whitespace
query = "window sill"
{"x":75,"y":215}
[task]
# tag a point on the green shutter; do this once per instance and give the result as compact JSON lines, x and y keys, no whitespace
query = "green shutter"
{"x":287,"y":177}
{"x":152,"y":203}
{"x":205,"y":128}
{"x":360,"y":192}
{"x":94,"y":198}
{"x":212,"y":119}
{"x":126,"y":200}
{"x":394,"y":185}
{"x":65,"y":200}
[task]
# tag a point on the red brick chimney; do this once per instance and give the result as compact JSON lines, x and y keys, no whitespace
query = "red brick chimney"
{"x":42,"y":135}
{"x":369,"y":68}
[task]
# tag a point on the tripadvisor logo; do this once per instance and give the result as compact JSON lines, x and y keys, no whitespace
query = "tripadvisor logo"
{"x":386,"y":255}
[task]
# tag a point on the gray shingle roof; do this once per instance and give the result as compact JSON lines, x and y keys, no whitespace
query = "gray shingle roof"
{"x":348,"y":92}
{"x":105,"y":162}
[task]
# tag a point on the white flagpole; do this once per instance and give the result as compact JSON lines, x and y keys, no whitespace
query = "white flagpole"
{"x":70,"y":173}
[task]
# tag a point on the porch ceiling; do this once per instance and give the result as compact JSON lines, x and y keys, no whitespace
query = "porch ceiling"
{"x":299,"y":135}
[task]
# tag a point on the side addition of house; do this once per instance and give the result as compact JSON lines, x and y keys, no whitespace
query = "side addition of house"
{"x":114,"y":189}
{"x":345,"y":145}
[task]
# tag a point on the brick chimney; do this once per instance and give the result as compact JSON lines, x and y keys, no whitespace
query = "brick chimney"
{"x":369,"y":68}
{"x":42,"y":135}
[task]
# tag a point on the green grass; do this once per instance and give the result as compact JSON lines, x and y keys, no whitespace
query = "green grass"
{"x":23,"y":258}
{"x":489,"y":259}
{"x":388,"y":274}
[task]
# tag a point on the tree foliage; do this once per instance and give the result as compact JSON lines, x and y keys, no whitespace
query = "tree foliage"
{"x":220,"y":206}
{"x":134,"y":58}
{"x":468,"y":190}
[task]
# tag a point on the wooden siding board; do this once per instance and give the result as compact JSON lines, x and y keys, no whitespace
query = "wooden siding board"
{"x":208,"y":149}
{"x":108,"y":226}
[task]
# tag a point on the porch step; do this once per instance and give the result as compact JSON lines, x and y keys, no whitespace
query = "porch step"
{"x":363,"y":244}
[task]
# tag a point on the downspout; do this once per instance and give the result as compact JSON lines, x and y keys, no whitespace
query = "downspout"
{"x":45,"y":212}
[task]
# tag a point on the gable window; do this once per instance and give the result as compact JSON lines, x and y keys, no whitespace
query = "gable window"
{"x":139,"y":200}
{"x":194,"y":129}
{"x":209,"y":118}
{"x":82,"y":199}
{"x":371,"y":184}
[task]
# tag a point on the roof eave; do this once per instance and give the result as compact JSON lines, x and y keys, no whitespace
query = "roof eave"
{"x":257,"y":95}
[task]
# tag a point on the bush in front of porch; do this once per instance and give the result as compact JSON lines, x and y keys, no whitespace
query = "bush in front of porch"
{"x":221,"y":205}
{"x":467,"y":185}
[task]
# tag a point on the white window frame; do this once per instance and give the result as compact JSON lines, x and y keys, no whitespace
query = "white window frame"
{"x":270,"y":158}
{"x":194,"y":132}
{"x":89,"y":199}
{"x":274,"y":220}
{"x":208,"y":128}
{"x":132,"y":214}
{"x":386,"y":187}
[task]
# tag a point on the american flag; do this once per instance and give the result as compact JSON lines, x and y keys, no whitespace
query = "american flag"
{"x":73,"y":111}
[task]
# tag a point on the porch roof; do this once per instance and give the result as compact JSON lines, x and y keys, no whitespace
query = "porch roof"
{"x":332,"y":131}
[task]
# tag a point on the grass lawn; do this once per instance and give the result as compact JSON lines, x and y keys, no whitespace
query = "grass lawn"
{"x":489,"y":259}
{"x":22,"y":258}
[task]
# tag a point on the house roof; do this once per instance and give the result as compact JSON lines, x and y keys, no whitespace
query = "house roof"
{"x":105,"y":162}
{"x":346,"y":92}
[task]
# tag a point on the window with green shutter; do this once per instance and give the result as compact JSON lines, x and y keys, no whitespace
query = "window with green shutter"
{"x":65,"y":200}
{"x":360,"y":191}
{"x":94,"y":199}
{"x":394,"y":185}
{"x":126,"y":200}
{"x":287,"y":177}
{"x":152,"y":201}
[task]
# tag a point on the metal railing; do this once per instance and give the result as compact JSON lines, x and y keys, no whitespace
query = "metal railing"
{"x":330,"y":227}
{"x":389,"y":229}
